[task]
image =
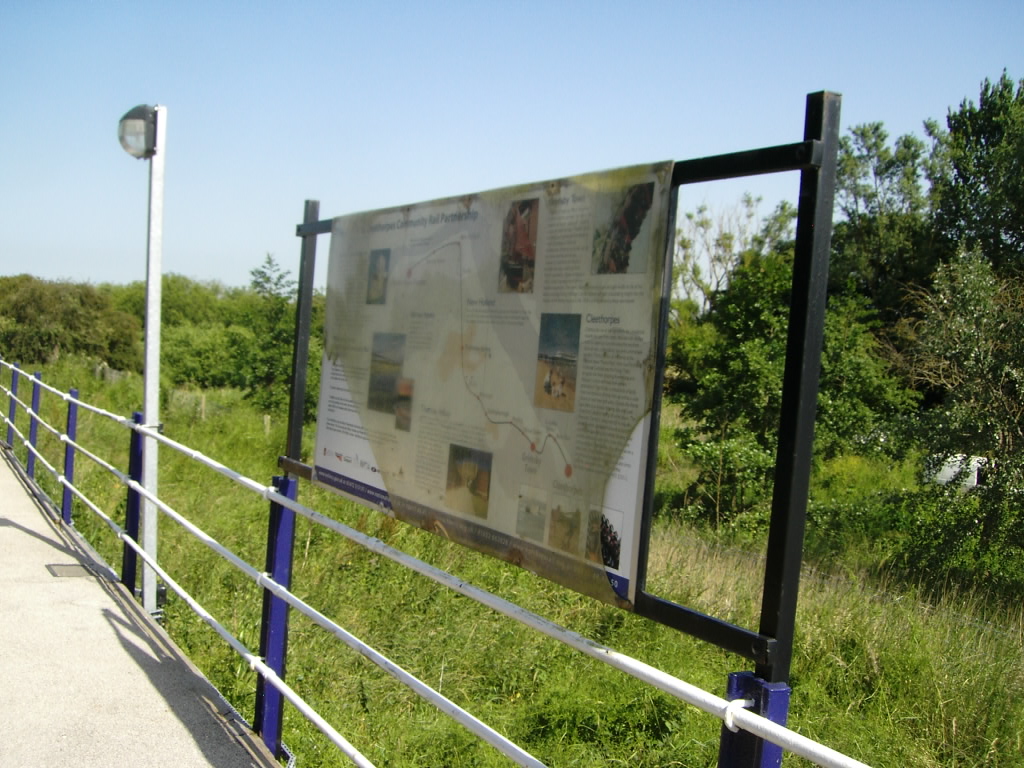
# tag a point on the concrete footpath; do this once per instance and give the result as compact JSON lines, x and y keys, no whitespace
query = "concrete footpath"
{"x":86,"y":677}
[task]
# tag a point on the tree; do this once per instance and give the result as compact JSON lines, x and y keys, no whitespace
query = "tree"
{"x":884,"y":241}
{"x":271,"y":282}
{"x":969,"y":346}
{"x":271,"y":317}
{"x":41,"y":320}
{"x":184,"y":300}
{"x":731,"y":361}
{"x":864,"y":405}
{"x":708,"y":248}
{"x":980,"y":188}
{"x":208,"y":355}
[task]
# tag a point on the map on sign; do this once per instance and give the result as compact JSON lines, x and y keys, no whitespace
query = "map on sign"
{"x":488,"y":369}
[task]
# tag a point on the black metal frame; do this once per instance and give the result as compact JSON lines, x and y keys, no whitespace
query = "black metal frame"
{"x":770,"y":648}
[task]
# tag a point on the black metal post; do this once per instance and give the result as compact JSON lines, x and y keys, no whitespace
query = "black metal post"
{"x":281,"y":534}
{"x":303,"y":321}
{"x":800,"y":387}
{"x":815,"y":157}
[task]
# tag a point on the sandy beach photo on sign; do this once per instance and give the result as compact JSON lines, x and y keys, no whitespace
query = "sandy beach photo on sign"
{"x":558,"y":349}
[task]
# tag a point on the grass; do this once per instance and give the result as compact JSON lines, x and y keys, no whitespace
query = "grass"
{"x":878,"y":672}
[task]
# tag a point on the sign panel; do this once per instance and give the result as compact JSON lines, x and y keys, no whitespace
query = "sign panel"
{"x":489,"y":367}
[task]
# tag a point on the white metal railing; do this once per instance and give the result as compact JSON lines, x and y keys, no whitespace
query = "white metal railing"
{"x":732,"y":713}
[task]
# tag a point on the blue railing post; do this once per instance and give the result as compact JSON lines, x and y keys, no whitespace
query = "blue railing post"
{"x":69,"y":455}
{"x":129,"y":558}
{"x":12,"y":408}
{"x":33,"y":425}
{"x":274,"y":629}
{"x":743,"y":749}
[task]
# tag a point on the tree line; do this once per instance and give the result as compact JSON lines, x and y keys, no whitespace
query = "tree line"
{"x":212,"y":336}
{"x":923,"y":359}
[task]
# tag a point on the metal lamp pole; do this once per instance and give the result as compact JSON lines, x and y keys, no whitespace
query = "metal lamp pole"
{"x":143,"y":134}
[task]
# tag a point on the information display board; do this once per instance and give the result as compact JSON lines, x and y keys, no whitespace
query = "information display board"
{"x":489,"y":369}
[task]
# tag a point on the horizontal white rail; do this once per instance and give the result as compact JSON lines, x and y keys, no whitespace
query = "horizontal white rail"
{"x":463,"y":717}
{"x":254,"y":661}
{"x":478,"y":727}
{"x":732,"y":713}
{"x":680,"y":689}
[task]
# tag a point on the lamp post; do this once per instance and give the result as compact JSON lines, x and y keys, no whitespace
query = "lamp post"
{"x":143,"y":134}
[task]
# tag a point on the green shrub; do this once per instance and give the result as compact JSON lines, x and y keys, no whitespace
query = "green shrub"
{"x":207,"y":356}
{"x":41,"y":320}
{"x":967,"y":537}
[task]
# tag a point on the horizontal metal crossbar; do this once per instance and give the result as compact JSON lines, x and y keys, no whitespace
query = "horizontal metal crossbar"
{"x":800,"y":156}
{"x":732,"y":637}
{"x":736,"y":639}
{"x":321,"y":227}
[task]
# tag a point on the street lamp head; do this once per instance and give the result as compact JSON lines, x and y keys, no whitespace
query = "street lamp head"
{"x":137,"y":131}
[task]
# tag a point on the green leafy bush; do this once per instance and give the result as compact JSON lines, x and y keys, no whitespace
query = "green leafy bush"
{"x":968,"y":537}
{"x":208,"y":355}
{"x":41,"y":320}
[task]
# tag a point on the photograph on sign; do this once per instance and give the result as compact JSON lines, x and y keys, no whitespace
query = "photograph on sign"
{"x":488,"y":369}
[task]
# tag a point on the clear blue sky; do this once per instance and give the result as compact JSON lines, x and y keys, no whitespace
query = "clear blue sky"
{"x":370,"y":105}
